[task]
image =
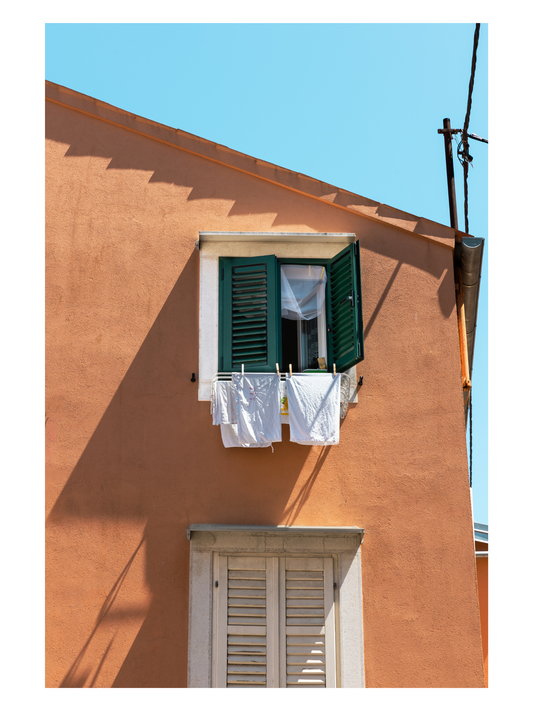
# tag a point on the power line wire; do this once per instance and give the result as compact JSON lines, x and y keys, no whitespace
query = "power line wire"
{"x":466,"y":162}
{"x":466,"y":157}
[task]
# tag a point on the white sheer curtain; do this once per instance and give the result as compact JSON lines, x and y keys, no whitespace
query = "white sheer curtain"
{"x":303,"y":291}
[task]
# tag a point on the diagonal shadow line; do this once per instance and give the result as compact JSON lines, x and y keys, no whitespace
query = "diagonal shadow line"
{"x":382,"y":299}
{"x":69,"y":676}
{"x":102,"y":661}
{"x":294,"y":509}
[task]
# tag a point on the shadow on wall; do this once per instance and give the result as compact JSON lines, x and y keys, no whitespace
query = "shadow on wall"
{"x":78,"y":675}
{"x":156,"y":464}
{"x":445,"y":295}
{"x":206,"y":180}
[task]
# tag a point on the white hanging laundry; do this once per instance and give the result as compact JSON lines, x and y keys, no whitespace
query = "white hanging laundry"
{"x":224,"y":412}
{"x":230,"y":438}
{"x":257,"y":402}
{"x":314,"y":408}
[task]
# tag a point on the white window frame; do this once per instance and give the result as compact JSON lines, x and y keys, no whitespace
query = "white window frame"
{"x":342,"y":544}
{"x":288,"y":245}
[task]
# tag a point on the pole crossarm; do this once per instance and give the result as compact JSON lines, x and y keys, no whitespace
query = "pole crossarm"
{"x":460,"y":130}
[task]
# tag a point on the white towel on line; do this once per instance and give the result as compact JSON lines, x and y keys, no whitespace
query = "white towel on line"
{"x":314,"y":408}
{"x":257,"y":402}
{"x":224,"y":412}
{"x":230,"y":438}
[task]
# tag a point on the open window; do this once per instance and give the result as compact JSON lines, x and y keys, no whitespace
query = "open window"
{"x":303,"y":316}
{"x":304,"y":312}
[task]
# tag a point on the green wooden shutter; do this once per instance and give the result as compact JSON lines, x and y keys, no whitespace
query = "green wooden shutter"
{"x":248,"y":324}
{"x":345,"y":309}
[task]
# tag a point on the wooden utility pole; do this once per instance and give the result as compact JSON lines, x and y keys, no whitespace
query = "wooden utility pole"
{"x":447,"y":133}
{"x":463,"y":347}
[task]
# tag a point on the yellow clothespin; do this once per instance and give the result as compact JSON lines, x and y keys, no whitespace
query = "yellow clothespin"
{"x":290,"y":369}
{"x":277,"y":370}
{"x":334,"y":369}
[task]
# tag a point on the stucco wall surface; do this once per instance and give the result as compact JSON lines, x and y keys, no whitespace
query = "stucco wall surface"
{"x":133,"y":459}
{"x":482,"y":571}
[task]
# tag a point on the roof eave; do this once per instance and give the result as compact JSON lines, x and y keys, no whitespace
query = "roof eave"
{"x":297,"y":182}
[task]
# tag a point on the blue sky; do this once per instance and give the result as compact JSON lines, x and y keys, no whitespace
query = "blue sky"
{"x":355,"y":105}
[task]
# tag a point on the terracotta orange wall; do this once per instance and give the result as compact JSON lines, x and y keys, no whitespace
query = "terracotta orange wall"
{"x":482,"y":570}
{"x":132,"y":457}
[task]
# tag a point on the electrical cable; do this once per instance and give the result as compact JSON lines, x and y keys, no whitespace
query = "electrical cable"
{"x":466,"y":157}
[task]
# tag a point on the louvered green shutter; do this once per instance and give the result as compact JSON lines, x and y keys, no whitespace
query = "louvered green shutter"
{"x":249,"y":314}
{"x":345,"y":309}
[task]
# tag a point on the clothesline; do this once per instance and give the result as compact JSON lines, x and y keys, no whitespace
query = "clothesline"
{"x":306,"y":372}
{"x":345,"y":386}
{"x":251,"y":407}
{"x":283,"y":376}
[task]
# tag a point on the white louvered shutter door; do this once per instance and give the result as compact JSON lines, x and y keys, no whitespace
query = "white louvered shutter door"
{"x":307,"y":627}
{"x":247,"y":612}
